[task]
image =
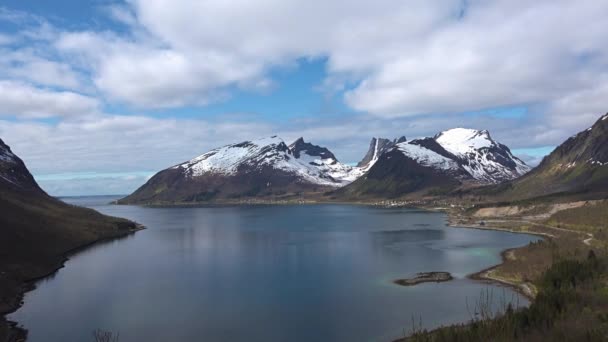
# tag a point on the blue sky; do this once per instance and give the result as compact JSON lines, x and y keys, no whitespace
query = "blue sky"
{"x":97,"y":95}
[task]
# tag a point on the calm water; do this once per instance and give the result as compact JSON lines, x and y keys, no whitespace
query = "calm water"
{"x":263,"y":273}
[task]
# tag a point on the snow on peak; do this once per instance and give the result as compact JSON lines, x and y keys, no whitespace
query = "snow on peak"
{"x":472,"y":151}
{"x":318,"y":168}
{"x":426,"y":157}
{"x":482,"y":157}
{"x":464,"y":140}
{"x":227,"y":159}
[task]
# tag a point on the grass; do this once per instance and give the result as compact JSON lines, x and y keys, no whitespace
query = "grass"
{"x":568,"y":270}
{"x":571,"y":305}
{"x":592,"y":218}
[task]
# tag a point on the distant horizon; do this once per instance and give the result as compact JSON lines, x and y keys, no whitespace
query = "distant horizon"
{"x":109,"y":91}
{"x":138,"y":178}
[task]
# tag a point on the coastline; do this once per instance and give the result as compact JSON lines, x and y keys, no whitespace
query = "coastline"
{"x":16,"y":333}
{"x":485,"y":275}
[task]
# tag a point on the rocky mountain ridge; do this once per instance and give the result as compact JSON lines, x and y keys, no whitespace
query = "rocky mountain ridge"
{"x":269,"y":168}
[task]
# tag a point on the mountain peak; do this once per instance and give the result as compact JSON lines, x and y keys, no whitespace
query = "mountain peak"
{"x":377,"y":147}
{"x":400,"y":140}
{"x":300,"y":146}
{"x":265,"y":141}
{"x":13,"y":171}
{"x":463,"y":140}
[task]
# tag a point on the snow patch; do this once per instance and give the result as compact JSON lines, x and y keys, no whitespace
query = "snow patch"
{"x":271,"y":152}
{"x":597,"y":162}
{"x":426,"y":157}
{"x":473,"y":148}
{"x":463,"y":140}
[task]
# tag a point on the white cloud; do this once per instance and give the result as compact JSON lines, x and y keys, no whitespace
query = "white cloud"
{"x":410,"y":57}
{"x":25,"y":101}
{"x":113,"y":143}
{"x":121,"y":13}
{"x":499,"y":54}
{"x":416,"y":66}
{"x":24,"y":64}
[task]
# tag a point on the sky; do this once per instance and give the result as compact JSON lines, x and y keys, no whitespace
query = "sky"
{"x":96,"y":95}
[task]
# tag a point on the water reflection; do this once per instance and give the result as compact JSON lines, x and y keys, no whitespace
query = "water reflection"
{"x":264,"y":273}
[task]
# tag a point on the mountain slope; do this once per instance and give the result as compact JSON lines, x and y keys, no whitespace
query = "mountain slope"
{"x":260,"y":168}
{"x":13,"y":173}
{"x":579,"y":166}
{"x":404,"y":169}
{"x":36,"y":232}
{"x":439,"y":164}
{"x":483,"y":158}
{"x":376,"y":148}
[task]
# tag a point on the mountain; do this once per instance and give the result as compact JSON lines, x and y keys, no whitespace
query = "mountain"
{"x":13,"y":173}
{"x":376,"y":148}
{"x":577,"y":167}
{"x":37,"y":231}
{"x":486,"y":160}
{"x":259,"y":168}
{"x":437,"y":165}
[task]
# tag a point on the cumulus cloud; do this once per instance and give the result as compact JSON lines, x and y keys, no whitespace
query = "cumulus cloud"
{"x":410,"y":57}
{"x":111,"y":147}
{"x":24,"y":64}
{"x":25,"y":101}
{"x":114,"y":143}
{"x":406,"y":67}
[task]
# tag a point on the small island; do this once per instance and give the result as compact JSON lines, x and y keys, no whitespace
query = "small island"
{"x":425,"y":277}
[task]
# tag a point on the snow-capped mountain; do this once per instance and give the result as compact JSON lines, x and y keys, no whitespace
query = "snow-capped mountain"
{"x":270,"y":168}
{"x":311,"y":163}
{"x":442,"y":162}
{"x":263,"y":167}
{"x":480,"y":157}
{"x":483,"y":158}
{"x":376,"y":148}
{"x":323,"y":161}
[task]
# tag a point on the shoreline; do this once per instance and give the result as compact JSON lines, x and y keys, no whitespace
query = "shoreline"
{"x":484,"y":275}
{"x":16,"y":333}
{"x":19,"y":334}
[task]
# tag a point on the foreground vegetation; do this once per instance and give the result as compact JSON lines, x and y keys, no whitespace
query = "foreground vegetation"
{"x":571,"y":305}
{"x":567,"y":272}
